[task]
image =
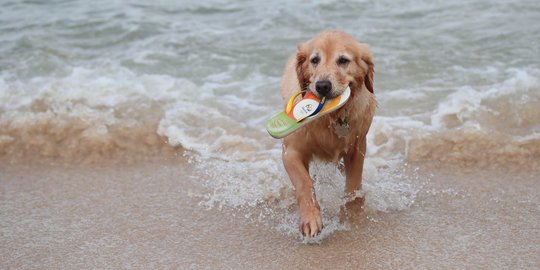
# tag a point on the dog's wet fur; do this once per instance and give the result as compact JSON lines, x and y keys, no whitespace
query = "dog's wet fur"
{"x":326,"y":65}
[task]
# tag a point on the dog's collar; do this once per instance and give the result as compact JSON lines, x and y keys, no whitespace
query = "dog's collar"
{"x":341,"y":126}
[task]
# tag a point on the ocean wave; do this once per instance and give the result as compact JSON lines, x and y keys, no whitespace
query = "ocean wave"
{"x":99,"y":112}
{"x":494,"y":124}
{"x":87,"y":113}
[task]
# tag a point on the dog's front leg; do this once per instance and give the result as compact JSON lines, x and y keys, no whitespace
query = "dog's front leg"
{"x":354,"y":164}
{"x":297,"y":167}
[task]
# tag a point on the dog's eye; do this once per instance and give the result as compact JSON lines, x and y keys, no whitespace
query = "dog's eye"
{"x":315,"y":60}
{"x":343,"y":61}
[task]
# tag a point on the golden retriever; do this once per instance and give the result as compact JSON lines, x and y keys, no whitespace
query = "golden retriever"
{"x":326,"y":65}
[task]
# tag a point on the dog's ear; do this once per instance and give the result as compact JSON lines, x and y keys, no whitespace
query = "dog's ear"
{"x":365,"y":56}
{"x":368,"y":79}
{"x":301,"y":69}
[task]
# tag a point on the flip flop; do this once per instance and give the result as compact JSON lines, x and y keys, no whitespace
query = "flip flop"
{"x":299,"y":113}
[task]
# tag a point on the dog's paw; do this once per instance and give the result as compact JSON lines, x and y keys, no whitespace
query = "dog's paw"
{"x":310,"y":221}
{"x":355,"y":204}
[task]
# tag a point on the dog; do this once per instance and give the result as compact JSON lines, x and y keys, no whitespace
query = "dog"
{"x":326,"y":65}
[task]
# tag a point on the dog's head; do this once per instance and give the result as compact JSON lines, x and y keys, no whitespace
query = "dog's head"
{"x":331,"y":61}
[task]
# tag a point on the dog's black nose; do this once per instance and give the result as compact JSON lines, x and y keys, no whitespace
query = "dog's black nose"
{"x":323,"y":87}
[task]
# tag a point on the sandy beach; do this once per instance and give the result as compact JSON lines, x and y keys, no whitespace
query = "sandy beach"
{"x":148,"y":215}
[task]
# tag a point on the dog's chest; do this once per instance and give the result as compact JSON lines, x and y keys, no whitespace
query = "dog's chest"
{"x":332,"y":138}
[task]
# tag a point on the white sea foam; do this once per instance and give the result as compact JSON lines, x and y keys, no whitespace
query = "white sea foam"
{"x":88,"y":111}
{"x":483,"y":124}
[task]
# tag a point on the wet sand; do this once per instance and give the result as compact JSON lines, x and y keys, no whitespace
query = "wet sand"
{"x":148,"y":215}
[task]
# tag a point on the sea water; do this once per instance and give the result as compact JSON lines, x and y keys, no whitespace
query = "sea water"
{"x":458,"y":84}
